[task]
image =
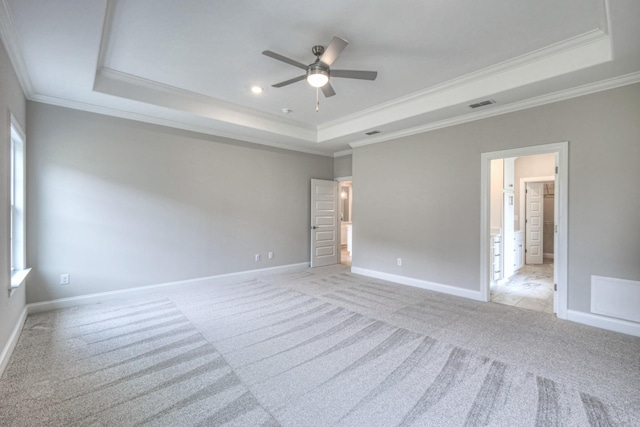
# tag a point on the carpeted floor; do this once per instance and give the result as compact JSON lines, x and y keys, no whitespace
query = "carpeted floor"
{"x":315,"y":347}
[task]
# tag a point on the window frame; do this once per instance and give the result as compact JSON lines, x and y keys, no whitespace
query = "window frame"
{"x":17,"y":205}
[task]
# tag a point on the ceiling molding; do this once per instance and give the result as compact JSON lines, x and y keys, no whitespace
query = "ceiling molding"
{"x":9,"y":37}
{"x":342,"y":153}
{"x":562,"y":95}
{"x":123,"y":85}
{"x":113,"y":112}
{"x":583,"y":51}
{"x":107,"y":25}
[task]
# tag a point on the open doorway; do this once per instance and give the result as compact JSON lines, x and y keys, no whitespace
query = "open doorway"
{"x":518,"y":268}
{"x":345,"y":191}
{"x":530,"y":282}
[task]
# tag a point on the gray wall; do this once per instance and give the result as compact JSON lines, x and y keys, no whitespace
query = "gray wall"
{"x":342,"y":166}
{"x":419,"y":196}
{"x":11,"y":100}
{"x":120,"y":204}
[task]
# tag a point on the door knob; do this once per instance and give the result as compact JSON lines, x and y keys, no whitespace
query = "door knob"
{"x":314,"y":227}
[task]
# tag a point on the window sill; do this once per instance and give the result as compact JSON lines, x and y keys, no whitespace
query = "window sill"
{"x":18,"y":276}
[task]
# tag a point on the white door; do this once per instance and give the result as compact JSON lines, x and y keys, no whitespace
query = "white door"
{"x":533,"y":222}
{"x":324,"y":223}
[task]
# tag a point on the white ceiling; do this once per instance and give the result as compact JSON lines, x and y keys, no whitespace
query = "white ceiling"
{"x":191,"y":64}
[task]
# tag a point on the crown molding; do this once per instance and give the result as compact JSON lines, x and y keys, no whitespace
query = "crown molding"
{"x":342,"y":153}
{"x":138,"y":117}
{"x":107,"y":25}
{"x":575,"y":53}
{"x":562,"y":95}
{"x":9,"y":37}
{"x":116,"y":83}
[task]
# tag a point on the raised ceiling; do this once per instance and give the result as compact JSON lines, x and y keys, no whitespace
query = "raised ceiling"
{"x":191,"y":64}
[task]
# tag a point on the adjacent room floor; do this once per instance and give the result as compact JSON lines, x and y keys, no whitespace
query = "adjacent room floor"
{"x":345,"y":256}
{"x":531,"y":288}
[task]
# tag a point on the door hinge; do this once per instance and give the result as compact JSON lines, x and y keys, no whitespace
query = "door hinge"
{"x":555,"y":286}
{"x":525,"y":251}
{"x":556,"y":169}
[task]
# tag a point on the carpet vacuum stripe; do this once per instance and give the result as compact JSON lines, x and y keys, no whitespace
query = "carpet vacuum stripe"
{"x":258,"y":354}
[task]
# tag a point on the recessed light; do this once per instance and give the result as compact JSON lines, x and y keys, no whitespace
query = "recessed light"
{"x":256,"y":89}
{"x":286,"y":111}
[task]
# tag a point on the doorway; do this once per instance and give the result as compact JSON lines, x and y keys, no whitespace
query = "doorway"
{"x":345,"y":197}
{"x":531,"y":276}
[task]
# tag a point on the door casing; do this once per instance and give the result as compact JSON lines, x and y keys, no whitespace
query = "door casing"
{"x":561,"y":151}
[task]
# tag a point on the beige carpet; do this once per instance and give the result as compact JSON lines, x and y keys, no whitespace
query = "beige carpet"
{"x":315,"y":347}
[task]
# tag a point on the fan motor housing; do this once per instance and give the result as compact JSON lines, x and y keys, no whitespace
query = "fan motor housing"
{"x":317,"y":50}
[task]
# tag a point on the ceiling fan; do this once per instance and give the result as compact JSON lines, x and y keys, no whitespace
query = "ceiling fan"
{"x":319,"y":72}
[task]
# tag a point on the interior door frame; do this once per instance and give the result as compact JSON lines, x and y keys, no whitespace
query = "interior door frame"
{"x":561,"y":150}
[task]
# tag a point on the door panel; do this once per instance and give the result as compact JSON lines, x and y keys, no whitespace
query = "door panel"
{"x":534,"y":220}
{"x":324,"y":223}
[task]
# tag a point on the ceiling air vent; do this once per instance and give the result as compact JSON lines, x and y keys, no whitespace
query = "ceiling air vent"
{"x":482,"y":103}
{"x":373,"y":132}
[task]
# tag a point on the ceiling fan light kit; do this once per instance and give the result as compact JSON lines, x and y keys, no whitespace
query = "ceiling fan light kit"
{"x":317,"y":75}
{"x":319,"y":72}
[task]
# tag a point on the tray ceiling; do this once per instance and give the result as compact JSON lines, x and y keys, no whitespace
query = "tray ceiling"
{"x":191,"y":64}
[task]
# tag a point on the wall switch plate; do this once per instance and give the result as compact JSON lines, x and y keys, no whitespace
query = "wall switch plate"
{"x":399,"y":262}
{"x":257,"y":257}
{"x":64,"y":279}
{"x":270,"y":254}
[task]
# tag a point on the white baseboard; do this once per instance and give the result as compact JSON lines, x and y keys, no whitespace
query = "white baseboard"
{"x":548,"y":256}
{"x":604,"y":322}
{"x":417,"y":283}
{"x":13,"y":340}
{"x":57,"y":304}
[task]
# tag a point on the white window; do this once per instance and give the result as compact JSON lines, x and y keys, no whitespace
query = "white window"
{"x":19,"y":269}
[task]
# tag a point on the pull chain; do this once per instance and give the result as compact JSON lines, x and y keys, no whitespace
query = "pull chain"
{"x":317,"y":99}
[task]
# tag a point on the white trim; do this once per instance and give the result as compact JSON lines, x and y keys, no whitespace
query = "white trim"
{"x":418,"y":283}
{"x":604,"y":322}
{"x":18,"y":277}
{"x":12,"y":341}
{"x":537,"y":101}
{"x":113,"y":112}
{"x":107,"y":25}
{"x":105,"y":296}
{"x":128,"y":86}
{"x":9,"y":36}
{"x":561,"y":149}
{"x":343,"y":153}
{"x":343,"y":178}
{"x":578,"y":52}
{"x":547,"y":255}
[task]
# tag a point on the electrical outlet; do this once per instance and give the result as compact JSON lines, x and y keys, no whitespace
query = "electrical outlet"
{"x":270,"y":254}
{"x":64,"y":279}
{"x":399,"y":262}
{"x":257,"y":257}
